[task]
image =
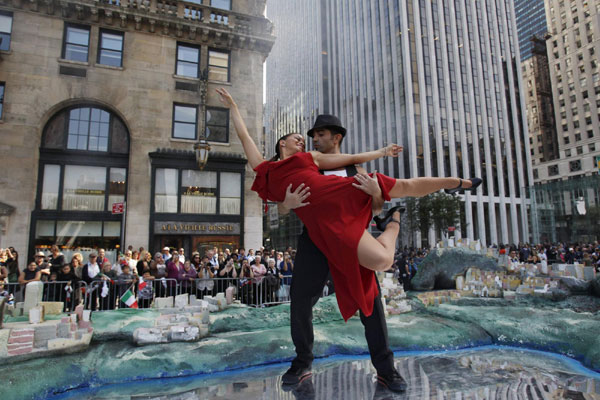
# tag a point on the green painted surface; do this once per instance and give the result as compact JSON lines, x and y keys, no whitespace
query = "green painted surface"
{"x":242,"y":337}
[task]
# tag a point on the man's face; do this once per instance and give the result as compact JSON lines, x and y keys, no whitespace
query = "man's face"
{"x":180,"y":251}
{"x":101,"y":253}
{"x":92,"y":260}
{"x":325,"y":141}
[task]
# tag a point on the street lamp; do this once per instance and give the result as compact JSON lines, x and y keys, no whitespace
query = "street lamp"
{"x":202,"y":148}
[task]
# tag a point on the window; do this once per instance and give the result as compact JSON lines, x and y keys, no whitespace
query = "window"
{"x":110,"y":48}
{"x":535,"y":173}
{"x":188,"y":61}
{"x":198,"y":192}
{"x":218,"y":66}
{"x":88,"y":129}
{"x":590,"y":134}
{"x":50,"y":187}
{"x":230,"y":193}
{"x":553,"y":170}
{"x":217,"y":124}
{"x":222,"y":4}
{"x":575,"y":165}
{"x":577,"y":137}
{"x":6,"y":20}
{"x":76,"y":42}
{"x":579,"y":149}
{"x":592,"y":146}
{"x":165,"y":189}
{"x":84,"y":188}
{"x":184,"y":121}
{"x":1,"y":100}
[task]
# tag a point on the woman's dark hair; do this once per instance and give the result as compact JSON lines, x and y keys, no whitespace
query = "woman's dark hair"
{"x":277,"y":155}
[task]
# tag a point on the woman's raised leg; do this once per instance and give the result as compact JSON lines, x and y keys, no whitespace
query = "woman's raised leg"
{"x":419,"y":187}
{"x":378,"y":253}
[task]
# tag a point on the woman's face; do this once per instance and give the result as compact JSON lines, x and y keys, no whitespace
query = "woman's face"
{"x":32,"y":266}
{"x":293,"y":144}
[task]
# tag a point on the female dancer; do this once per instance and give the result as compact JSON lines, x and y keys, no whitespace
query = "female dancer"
{"x":338,"y":212}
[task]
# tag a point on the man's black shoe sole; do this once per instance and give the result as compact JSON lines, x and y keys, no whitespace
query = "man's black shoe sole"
{"x":384,"y":383}
{"x":294,"y":380}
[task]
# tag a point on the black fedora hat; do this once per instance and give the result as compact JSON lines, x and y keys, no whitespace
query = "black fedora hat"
{"x":326,"y":121}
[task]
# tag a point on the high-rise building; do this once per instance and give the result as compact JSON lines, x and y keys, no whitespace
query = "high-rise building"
{"x":572,"y":179}
{"x":102,"y":103}
{"x":531,"y":21}
{"x":441,"y":78}
{"x":540,"y":108}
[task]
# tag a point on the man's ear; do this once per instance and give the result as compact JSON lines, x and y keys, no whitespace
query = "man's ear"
{"x":337,"y":138}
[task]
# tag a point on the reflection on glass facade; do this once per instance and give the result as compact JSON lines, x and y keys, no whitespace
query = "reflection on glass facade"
{"x":439,"y":77}
{"x":531,"y":21}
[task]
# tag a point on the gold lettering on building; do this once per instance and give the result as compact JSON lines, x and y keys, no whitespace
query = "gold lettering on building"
{"x":181,"y":227}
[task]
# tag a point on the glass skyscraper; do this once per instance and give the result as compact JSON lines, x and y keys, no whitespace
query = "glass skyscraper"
{"x":440,"y":77}
{"x":531,"y":21}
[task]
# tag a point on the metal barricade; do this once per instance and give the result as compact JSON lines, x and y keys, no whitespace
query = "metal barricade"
{"x":209,"y":286}
{"x":62,"y":291}
{"x":15,"y":289}
{"x":104,"y":295}
{"x":65,"y":292}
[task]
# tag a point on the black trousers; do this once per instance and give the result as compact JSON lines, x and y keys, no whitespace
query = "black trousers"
{"x":310,"y":274}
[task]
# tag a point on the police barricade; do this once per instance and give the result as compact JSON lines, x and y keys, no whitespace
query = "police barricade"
{"x":12,"y":291}
{"x":65,"y":292}
{"x":273,"y":290}
{"x":209,"y":287}
{"x":103,"y":295}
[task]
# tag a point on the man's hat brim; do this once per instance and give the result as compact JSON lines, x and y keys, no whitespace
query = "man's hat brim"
{"x":333,"y":128}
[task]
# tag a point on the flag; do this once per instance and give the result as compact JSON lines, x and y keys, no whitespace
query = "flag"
{"x":129,"y":299}
{"x":104,"y":289}
{"x":142,"y":285}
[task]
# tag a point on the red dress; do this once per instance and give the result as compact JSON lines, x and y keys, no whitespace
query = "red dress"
{"x":336,"y":218}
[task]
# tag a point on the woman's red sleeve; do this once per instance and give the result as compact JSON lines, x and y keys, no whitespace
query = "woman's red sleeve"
{"x":260,"y":181}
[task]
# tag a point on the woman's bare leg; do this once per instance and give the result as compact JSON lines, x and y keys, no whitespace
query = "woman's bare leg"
{"x":378,"y":254}
{"x":419,"y":187}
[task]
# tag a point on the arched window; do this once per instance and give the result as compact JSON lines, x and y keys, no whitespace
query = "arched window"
{"x":86,"y":128}
{"x":84,"y":157}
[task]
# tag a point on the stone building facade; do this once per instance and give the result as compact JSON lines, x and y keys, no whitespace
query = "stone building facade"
{"x":573,"y":47}
{"x":103,"y":102}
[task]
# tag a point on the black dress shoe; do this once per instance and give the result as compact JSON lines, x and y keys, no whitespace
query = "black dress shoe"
{"x":475,"y":182}
{"x":382,"y":222}
{"x":393,"y":381}
{"x":295,"y":375}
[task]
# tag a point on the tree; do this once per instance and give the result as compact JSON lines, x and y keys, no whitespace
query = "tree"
{"x":439,"y":210}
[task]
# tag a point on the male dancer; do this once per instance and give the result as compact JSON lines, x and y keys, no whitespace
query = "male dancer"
{"x":311,"y":271}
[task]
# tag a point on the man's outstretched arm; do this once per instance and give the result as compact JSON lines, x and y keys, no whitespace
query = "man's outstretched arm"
{"x":371,"y":187}
{"x":294,"y":199}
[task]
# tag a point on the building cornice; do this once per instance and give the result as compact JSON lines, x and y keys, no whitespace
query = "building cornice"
{"x":168,"y":153}
{"x":182,"y":20}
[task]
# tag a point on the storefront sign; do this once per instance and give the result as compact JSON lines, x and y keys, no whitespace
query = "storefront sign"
{"x":196,"y":228}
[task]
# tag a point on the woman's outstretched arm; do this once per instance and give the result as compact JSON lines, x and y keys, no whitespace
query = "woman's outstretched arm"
{"x":254,"y":156}
{"x":332,"y":161}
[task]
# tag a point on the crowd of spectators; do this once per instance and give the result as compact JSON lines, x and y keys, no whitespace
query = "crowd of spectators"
{"x":259,"y":276}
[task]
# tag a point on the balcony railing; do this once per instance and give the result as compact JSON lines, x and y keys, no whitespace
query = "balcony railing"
{"x":193,"y":12}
